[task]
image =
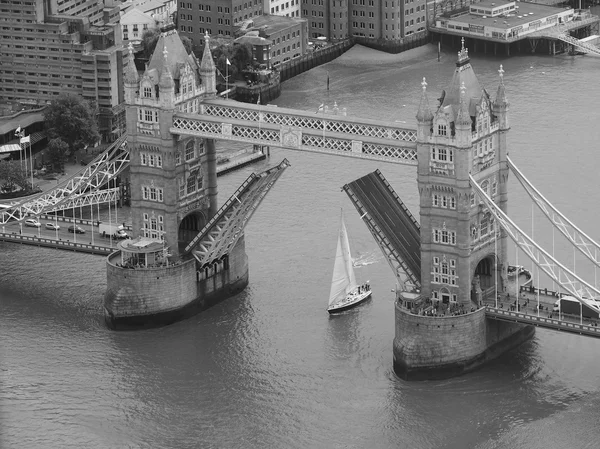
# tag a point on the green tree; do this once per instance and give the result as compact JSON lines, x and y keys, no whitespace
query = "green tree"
{"x":12,"y":177}
{"x":73,"y":120}
{"x":149,"y":41}
{"x":57,"y":153}
{"x":187,"y":43}
{"x":240,"y":57}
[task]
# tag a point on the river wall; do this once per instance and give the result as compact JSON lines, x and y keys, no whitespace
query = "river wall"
{"x":395,"y":46}
{"x":441,"y":347}
{"x":151,"y":297}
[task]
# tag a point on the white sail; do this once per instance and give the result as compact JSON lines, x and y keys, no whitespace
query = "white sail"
{"x":343,"y":280}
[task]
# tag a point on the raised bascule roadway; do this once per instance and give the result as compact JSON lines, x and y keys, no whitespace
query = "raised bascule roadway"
{"x":394,"y":228}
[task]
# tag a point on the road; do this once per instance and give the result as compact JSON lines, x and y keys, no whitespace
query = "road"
{"x":62,"y":233}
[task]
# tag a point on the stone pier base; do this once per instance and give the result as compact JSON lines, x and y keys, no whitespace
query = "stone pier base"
{"x":438,"y":348}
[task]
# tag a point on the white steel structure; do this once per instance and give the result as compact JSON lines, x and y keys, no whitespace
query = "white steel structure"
{"x":80,"y":189}
{"x":560,"y":274}
{"x":576,"y":236}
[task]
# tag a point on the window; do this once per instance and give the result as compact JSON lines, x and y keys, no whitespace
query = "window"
{"x":189,"y":150}
{"x":442,"y":130}
{"x":181,"y":188}
{"x":191,"y":184}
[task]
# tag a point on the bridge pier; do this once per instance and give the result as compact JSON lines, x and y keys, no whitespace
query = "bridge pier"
{"x":461,"y":343}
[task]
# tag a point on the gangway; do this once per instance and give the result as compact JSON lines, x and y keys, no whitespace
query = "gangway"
{"x":224,"y":229}
{"x":394,"y":228}
{"x":583,"y":46}
{"x":84,"y":187}
{"x":576,"y":236}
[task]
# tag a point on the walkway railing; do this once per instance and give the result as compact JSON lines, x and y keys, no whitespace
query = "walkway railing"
{"x":58,"y":244}
{"x":591,"y":330}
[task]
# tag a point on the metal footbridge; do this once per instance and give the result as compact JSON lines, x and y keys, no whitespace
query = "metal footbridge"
{"x":300,"y":130}
{"x":218,"y":237}
{"x":394,"y":228}
{"x":82,"y":189}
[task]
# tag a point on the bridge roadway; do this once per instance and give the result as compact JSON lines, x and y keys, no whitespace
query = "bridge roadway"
{"x":389,"y":220}
{"x":300,"y":130}
{"x":61,"y":238}
{"x":528,"y":313}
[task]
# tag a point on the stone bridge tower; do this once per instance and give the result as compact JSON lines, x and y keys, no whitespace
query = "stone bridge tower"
{"x":173,"y":180}
{"x":463,"y":252}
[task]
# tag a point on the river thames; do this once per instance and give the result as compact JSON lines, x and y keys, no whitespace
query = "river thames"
{"x":270,"y":368}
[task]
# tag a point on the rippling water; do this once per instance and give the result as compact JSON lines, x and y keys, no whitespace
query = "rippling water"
{"x":269,"y":368}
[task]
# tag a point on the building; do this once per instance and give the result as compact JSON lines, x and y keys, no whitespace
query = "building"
{"x":217,"y":18}
{"x":134,"y":23}
{"x":378,"y":19}
{"x":289,"y":36}
{"x":287,"y":8}
{"x":504,"y":21}
{"x":260,"y":47}
{"x":51,"y":47}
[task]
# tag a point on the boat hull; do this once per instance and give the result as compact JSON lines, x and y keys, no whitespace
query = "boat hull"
{"x":348,"y":305}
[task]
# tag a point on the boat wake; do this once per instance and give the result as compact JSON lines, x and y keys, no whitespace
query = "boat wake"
{"x":366,"y":259}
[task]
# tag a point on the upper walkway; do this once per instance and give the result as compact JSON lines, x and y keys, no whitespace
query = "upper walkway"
{"x":395,"y":229}
{"x":300,"y":130}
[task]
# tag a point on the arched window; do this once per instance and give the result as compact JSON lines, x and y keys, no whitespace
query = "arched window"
{"x":189,"y":150}
{"x":485,"y":224}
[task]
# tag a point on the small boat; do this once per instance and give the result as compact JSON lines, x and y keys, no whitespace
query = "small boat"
{"x":345,"y":292}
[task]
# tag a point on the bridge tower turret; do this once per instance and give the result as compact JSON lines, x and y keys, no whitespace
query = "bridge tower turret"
{"x":463,"y":253}
{"x":173,"y":195}
{"x":460,"y":257}
{"x":170,"y":198}
{"x":207,"y":70}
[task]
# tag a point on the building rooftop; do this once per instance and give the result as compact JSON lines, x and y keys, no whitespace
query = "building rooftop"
{"x":525,"y":13}
{"x":274,"y":23}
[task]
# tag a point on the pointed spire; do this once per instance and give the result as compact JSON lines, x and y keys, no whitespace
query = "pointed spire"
{"x":501,"y":94}
{"x":207,"y":64}
{"x":131,"y":74}
{"x":463,"y":54}
{"x":166,"y":79}
{"x":463,"y":117}
{"x":424,"y":114}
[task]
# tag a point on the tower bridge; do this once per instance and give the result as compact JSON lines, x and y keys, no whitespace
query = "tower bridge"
{"x":188,"y":254}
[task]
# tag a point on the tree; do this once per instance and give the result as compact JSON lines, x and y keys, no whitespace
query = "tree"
{"x":149,"y":41}
{"x":57,"y":152}
{"x":187,"y":43}
{"x":239,"y":55}
{"x":12,"y":177}
{"x":73,"y":120}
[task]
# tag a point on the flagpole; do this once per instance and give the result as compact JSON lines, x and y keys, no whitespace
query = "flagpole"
{"x":31,"y":161}
{"x":227,"y":79}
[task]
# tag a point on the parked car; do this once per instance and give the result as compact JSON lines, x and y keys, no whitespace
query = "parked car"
{"x":32,"y":222}
{"x":76,"y":229}
{"x":52,"y":226}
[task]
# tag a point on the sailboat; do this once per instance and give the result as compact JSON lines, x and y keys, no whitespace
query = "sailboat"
{"x":345,"y":292}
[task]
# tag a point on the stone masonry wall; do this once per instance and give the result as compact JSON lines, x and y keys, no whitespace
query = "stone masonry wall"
{"x":152,"y":291}
{"x":422,"y":341}
{"x":144,"y":292}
